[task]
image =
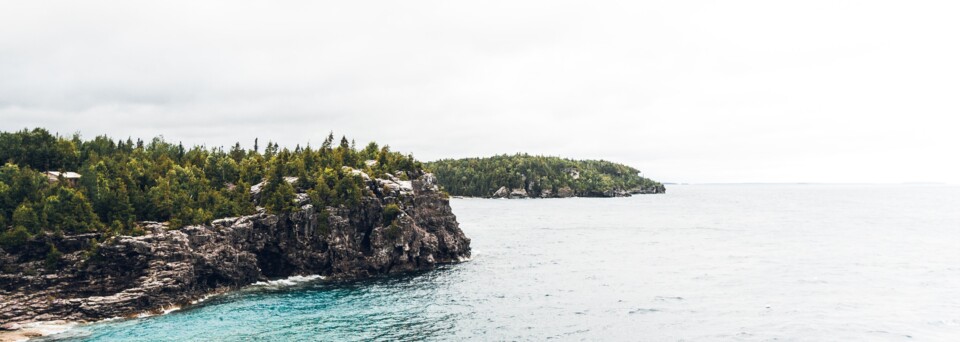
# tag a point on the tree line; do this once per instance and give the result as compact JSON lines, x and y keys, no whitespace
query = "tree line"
{"x":125,"y":181}
{"x":481,"y":177}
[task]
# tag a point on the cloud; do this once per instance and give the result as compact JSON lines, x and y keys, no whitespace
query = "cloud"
{"x":686,"y":91}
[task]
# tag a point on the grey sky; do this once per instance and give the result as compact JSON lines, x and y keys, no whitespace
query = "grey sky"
{"x":691,"y":91}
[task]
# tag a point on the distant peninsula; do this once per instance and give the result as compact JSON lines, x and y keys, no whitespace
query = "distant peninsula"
{"x":528,"y":176}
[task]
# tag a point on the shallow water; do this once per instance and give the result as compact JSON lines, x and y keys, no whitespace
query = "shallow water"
{"x":705,"y":262}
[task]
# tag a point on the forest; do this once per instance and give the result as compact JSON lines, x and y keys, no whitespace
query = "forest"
{"x":539,"y":176}
{"x":126,"y":181}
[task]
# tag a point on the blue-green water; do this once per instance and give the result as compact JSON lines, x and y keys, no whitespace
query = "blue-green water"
{"x":745,"y":262}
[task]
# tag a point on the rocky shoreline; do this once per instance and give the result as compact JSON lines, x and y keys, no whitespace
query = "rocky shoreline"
{"x":567,"y":192}
{"x":125,"y":276}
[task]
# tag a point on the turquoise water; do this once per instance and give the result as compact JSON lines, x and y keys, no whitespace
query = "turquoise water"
{"x":743,"y":262}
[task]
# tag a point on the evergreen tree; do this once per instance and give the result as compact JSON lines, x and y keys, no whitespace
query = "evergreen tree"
{"x":25,"y":216}
{"x":123,"y":181}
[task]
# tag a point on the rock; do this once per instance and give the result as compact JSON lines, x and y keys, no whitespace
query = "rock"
{"x":504,"y":192}
{"x":129,"y":275}
{"x":658,"y":189}
{"x":546,"y":193}
{"x":518,"y":193}
{"x":257,"y":188}
{"x":565,"y":192}
{"x":616,"y":193}
{"x":10,"y":326}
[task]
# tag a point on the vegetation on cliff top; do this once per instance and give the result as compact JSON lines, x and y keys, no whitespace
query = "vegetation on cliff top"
{"x":126,"y":181}
{"x":482,"y":177}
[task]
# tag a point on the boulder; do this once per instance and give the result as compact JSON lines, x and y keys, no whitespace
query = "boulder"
{"x":518,"y":193}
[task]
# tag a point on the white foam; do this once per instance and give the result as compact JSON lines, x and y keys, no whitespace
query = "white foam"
{"x":204,"y":298}
{"x":286,"y":282}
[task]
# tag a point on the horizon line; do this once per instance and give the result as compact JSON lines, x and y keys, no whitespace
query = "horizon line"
{"x":807,"y":183}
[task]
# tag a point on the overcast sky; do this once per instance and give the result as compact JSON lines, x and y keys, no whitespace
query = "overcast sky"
{"x":687,"y":91}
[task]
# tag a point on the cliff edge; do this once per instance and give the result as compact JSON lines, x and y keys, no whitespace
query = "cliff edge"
{"x":125,"y":275}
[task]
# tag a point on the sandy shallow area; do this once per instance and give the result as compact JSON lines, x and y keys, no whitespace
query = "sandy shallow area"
{"x":35,"y":329}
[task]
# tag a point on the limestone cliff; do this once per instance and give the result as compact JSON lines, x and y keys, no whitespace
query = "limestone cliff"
{"x":128,"y":275}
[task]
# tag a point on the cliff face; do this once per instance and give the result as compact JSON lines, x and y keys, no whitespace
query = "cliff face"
{"x":129,"y":275}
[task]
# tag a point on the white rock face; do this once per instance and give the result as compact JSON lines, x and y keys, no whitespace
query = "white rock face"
{"x":356,"y":172}
{"x":255,"y":189}
{"x":395,"y":186}
{"x":429,"y":183}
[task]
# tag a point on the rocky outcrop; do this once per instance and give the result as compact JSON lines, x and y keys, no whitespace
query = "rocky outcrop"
{"x":503,"y":192}
{"x":566,"y":192}
{"x":518,"y":193}
{"x":658,"y":189}
{"x":125,"y":275}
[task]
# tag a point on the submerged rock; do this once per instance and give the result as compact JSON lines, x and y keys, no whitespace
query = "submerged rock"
{"x":125,"y":275}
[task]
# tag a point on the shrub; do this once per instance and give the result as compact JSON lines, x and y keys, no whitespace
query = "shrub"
{"x":15,"y":237}
{"x":53,"y":258}
{"x":391,"y":212}
{"x":92,"y":250}
{"x":392,"y":232}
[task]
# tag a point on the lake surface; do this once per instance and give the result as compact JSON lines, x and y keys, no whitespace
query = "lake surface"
{"x":702,"y":262}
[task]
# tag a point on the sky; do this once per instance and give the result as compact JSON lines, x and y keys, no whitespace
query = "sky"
{"x":686,"y":91}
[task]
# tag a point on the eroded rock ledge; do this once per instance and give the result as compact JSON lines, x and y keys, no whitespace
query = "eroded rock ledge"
{"x":165,"y":268}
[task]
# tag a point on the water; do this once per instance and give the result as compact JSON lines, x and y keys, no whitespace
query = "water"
{"x":731,"y":262}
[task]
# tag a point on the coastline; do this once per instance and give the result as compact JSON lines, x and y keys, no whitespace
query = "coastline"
{"x":547,"y":198}
{"x":167,"y":269}
{"x":30,"y":330}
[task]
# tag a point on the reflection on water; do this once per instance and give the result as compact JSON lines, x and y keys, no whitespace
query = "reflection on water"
{"x":743,"y":262}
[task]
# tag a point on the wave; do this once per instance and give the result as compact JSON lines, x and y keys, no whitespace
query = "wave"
{"x":286,"y":282}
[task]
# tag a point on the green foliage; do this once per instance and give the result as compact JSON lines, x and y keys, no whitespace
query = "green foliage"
{"x":125,"y":181}
{"x":92,"y":250}
{"x":39,"y":150}
{"x":53,"y":258}
{"x":26,"y":216}
{"x":278,"y":194}
{"x":14,"y":237}
{"x":393,"y":231}
{"x":323,"y":222}
{"x":348,"y":190}
{"x":390,"y":212}
{"x":280,"y":198}
{"x":481,"y":177}
{"x":68,"y":210}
